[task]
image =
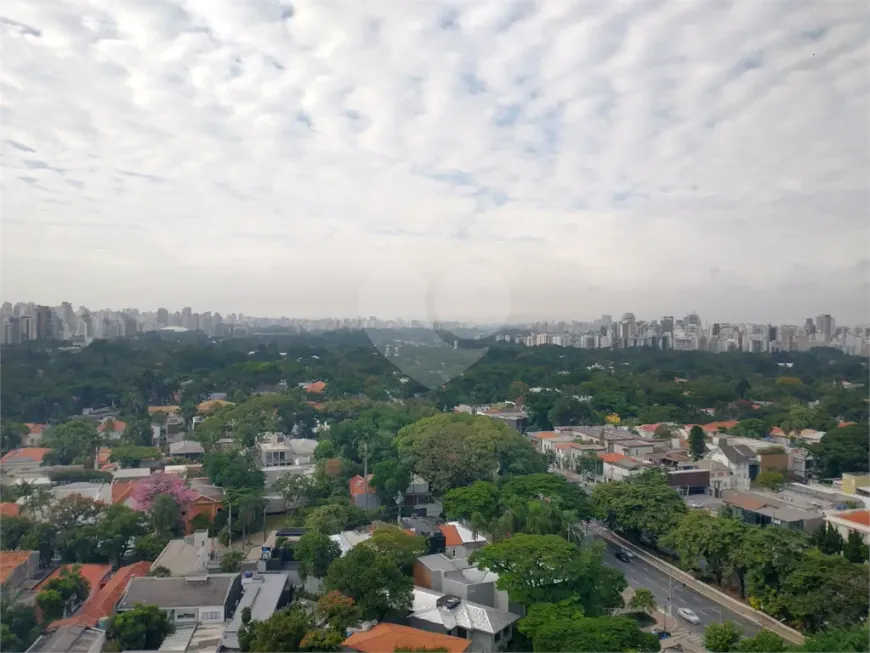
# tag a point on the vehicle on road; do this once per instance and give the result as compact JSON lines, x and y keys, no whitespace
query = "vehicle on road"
{"x":696,"y":506}
{"x":623,"y":555}
{"x":661,"y":633}
{"x":689,"y":616}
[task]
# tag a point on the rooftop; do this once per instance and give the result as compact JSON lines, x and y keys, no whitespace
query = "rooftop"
{"x":95,"y":574}
{"x":11,"y":560}
{"x":456,"y":534}
{"x":199,"y":638}
{"x":72,"y":638}
{"x":185,"y":447}
{"x":263,"y":593}
{"x":458,"y":569}
{"x":182,"y":556}
{"x":861,"y":517}
{"x":346,"y":540}
{"x":358,"y":486}
{"x":468,"y":615}
{"x":389,"y":637}
{"x":211,"y":589}
{"x":27,"y":454}
{"x":8,"y":509}
{"x":103,"y":603}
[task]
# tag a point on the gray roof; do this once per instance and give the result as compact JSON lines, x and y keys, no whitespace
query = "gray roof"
{"x":468,"y":615}
{"x":199,"y":638}
{"x":738,"y":453}
{"x":212,"y":589}
{"x":182,"y":558}
{"x":185,"y":447}
{"x":262,"y":594}
{"x":72,"y":638}
{"x":438,"y":562}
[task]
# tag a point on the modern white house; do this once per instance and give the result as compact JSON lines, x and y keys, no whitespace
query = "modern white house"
{"x":740,"y":460}
{"x":206,"y":598}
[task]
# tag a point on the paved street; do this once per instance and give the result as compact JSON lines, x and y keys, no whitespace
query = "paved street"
{"x":641,"y":574}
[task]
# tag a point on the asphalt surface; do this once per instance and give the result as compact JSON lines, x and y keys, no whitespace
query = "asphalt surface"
{"x":639,"y":573}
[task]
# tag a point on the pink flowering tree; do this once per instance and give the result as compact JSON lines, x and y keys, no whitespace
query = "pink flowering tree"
{"x":149,"y":488}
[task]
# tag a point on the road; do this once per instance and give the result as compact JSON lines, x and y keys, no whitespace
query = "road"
{"x":641,"y":574}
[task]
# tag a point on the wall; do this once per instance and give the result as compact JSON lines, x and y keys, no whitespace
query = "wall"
{"x":773,"y":462}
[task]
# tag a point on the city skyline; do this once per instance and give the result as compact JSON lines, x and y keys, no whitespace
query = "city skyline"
{"x":513,"y":160}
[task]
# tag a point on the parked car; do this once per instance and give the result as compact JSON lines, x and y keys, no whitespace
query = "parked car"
{"x":688,"y":615}
{"x":696,"y":506}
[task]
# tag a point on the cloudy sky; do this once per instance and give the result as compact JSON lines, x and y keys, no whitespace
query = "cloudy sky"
{"x":485,"y":159}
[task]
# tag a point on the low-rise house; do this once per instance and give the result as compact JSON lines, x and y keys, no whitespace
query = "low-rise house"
{"x":263,"y":594}
{"x":346,"y":540}
{"x":632,"y":448}
{"x":545,"y":441}
{"x":112,"y":428}
{"x":33,"y":437}
{"x":459,"y":540}
{"x":569,"y":453}
{"x":617,"y":467}
{"x":208,"y":598}
{"x":194,"y":638}
{"x":96,"y":574}
{"x":458,"y":577}
{"x":385,"y":637}
{"x":190,"y":449}
{"x":362,"y":494}
{"x":488,"y":629}
{"x":740,"y":459}
{"x":16,"y":568}
{"x":72,"y":638}
{"x":192,"y":555}
{"x":800,"y":464}
{"x":690,"y":481}
{"x":761,"y":510}
{"x":721,"y":478}
{"x":130,"y":473}
{"x":854,"y":484}
{"x":851,"y":521}
{"x":22,"y":461}
{"x":280,"y":450}
{"x":102,"y":604}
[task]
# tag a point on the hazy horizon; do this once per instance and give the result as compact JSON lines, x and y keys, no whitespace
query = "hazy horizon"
{"x":486,"y":161}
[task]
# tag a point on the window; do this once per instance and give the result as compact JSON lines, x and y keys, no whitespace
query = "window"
{"x":185,"y":615}
{"x":210,"y":616}
{"x":461,"y":632}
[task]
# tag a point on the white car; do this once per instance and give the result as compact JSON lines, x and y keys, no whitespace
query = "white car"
{"x":695,"y":505}
{"x":689,"y":616}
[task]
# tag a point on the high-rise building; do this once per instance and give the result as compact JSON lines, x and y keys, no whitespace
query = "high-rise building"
{"x":692,"y":319}
{"x":667,"y":323}
{"x":186,"y":317}
{"x":162,"y":318}
{"x":810,"y":326}
{"x":825,"y":325}
{"x":46,"y":324}
{"x":12,"y":331}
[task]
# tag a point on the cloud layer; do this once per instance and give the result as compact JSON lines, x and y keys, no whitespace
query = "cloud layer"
{"x":299,"y":158}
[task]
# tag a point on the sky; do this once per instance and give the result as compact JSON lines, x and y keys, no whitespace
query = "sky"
{"x":483,"y":159}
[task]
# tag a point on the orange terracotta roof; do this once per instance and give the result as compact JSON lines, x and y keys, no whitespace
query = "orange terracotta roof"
{"x":842,"y":424}
{"x":95,"y":575}
{"x":103,"y":603}
{"x":648,"y":428}
{"x":103,"y":455}
{"x":861,"y":517}
{"x":117,"y":426}
{"x":36,"y":429}
{"x":315,"y":388}
{"x":389,"y":637}
{"x":10,"y":561}
{"x":776,"y":431}
{"x":8,"y":509}
{"x":358,"y":486}
{"x":121,"y":491}
{"x":612,"y":457}
{"x":34,"y":454}
{"x":715,"y":426}
{"x":545,"y":435}
{"x":451,"y":534}
{"x":213,"y":404}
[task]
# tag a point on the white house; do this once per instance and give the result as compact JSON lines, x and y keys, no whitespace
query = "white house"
{"x":739,"y":459}
{"x":206,"y":598}
{"x":617,"y":467}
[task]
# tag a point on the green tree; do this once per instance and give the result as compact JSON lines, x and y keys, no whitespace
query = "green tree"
{"x":52,"y":604}
{"x":149,"y":546}
{"x":141,"y":629}
{"x":283,"y":631}
{"x":480,"y":498}
{"x":663,"y":432}
{"x":453,"y":450}
{"x":770,"y":479}
{"x":329,"y":519}
{"x":132,"y":456}
{"x":374,"y":582}
{"x":325,"y":449}
{"x":594,"y":635}
{"x":11,"y":436}
{"x":766,"y":641}
{"x":544,"y":614}
{"x":697,"y":442}
{"x":717,"y":541}
{"x":390,"y":478}
{"x":843,"y":449}
{"x":338,"y":610}
{"x":315,"y":552}
{"x":549,"y":569}
{"x":233,"y":470}
{"x":643,"y":600}
{"x":643,"y":504}
{"x":839,"y":640}
{"x":828,"y":539}
{"x":721,"y":638}
{"x":20,"y":626}
{"x":323,"y":640}
{"x":854,"y":549}
{"x":165,"y":515}
{"x":231,"y":561}
{"x":72,"y":440}
{"x":397,"y":545}
{"x":296,"y":490}
{"x":118,"y":527}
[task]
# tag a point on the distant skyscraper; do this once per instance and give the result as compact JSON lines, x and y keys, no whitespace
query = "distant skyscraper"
{"x":186,"y":315}
{"x":46,"y":328}
{"x":692,"y":319}
{"x":825,"y":325}
{"x":667,"y":324}
{"x":162,"y":318}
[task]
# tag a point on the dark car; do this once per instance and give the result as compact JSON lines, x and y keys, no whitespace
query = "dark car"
{"x":622,"y":555}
